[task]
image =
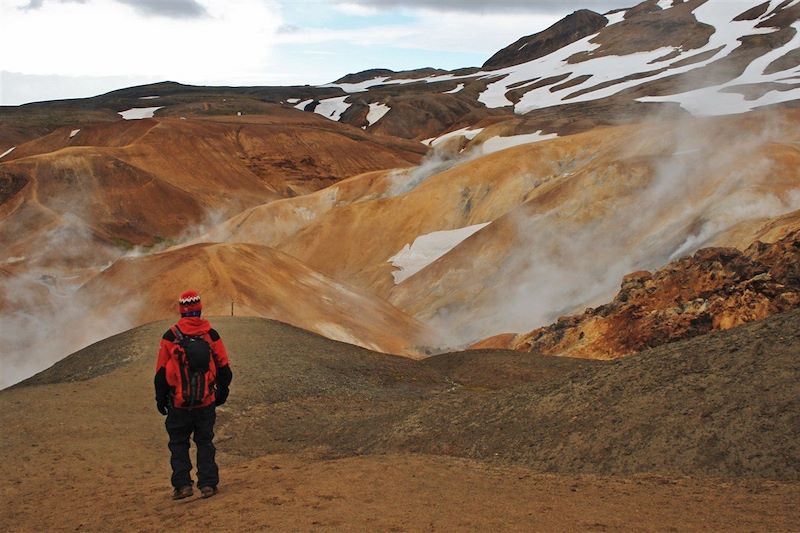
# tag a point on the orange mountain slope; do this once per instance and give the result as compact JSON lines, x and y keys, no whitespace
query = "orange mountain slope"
{"x":567,"y":217}
{"x":258,"y":281}
{"x":143,"y":182}
{"x":645,"y":196}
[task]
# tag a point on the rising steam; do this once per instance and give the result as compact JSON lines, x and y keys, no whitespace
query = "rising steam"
{"x":673,"y":190}
{"x":42,"y":313}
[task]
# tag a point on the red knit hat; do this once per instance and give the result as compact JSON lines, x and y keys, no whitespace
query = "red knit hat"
{"x":189,"y":302}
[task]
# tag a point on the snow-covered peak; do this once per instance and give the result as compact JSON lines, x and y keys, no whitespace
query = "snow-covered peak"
{"x":714,"y":57}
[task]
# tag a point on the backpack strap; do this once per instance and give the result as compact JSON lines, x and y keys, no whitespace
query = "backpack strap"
{"x":182,"y":367}
{"x":179,"y":336}
{"x":207,"y":336}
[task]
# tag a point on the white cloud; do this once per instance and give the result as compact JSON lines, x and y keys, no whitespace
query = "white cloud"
{"x":356,"y":9}
{"x":374,"y":35}
{"x":16,"y":89}
{"x":482,"y":6}
{"x":108,"y":38}
{"x":434,"y":30}
{"x":168,"y":8}
{"x":97,"y":43}
{"x":478,"y":32}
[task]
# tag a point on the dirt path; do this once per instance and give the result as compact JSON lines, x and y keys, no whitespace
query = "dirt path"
{"x":388,"y":493}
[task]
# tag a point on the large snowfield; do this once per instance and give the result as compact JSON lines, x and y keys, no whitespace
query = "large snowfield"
{"x":588,"y":76}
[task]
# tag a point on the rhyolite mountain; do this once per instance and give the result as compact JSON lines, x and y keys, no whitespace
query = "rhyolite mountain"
{"x":558,"y":291}
{"x":409,"y":212}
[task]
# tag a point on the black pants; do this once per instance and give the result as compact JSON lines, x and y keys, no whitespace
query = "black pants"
{"x":181,"y":423}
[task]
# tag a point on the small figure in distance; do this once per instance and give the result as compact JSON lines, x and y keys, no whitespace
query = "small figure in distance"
{"x":192,"y":377}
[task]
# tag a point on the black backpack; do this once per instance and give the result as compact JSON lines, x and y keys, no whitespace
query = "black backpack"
{"x":195,"y":365}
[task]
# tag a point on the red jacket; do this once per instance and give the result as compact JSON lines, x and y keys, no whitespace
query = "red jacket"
{"x":168,"y":379}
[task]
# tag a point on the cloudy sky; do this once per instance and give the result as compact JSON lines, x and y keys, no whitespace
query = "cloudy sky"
{"x":52,"y":49}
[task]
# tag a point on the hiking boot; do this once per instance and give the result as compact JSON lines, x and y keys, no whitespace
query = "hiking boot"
{"x":182,"y":492}
{"x":207,"y":492}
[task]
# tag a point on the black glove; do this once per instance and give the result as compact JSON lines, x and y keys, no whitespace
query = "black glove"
{"x":162,"y":390}
{"x":161,"y":405}
{"x":222,"y":395}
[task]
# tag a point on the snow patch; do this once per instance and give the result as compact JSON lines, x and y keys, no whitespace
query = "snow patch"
{"x":73,"y":133}
{"x":7,"y":152}
{"x":773,"y":5}
{"x":497,"y":143}
{"x":614,"y":18}
{"x":453,"y":91}
{"x":149,"y":97}
{"x":664,"y":4}
{"x":376,"y":112}
{"x":719,"y":100}
{"x":358,"y":87}
{"x":332,"y":108}
{"x":292,"y":100}
{"x":302,"y":105}
{"x":463,"y":132}
{"x":428,"y":248}
{"x":384,"y":80}
{"x":137,"y":113}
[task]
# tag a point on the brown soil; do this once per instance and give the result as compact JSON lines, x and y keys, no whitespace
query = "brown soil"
{"x":377,"y":493}
{"x":319,"y":434}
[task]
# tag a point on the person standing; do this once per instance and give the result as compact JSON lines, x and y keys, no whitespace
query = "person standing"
{"x":193,"y":376}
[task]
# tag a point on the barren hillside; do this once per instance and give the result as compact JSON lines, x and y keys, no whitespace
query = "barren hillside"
{"x":311,"y":424}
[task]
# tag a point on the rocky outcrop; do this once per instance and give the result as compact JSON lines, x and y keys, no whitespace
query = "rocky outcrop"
{"x":571,"y":28}
{"x":715,"y":289}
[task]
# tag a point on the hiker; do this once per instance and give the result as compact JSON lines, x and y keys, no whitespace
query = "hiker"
{"x":192,"y":377}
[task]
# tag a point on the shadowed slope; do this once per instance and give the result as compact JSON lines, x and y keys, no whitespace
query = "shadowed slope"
{"x":723,"y":404}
